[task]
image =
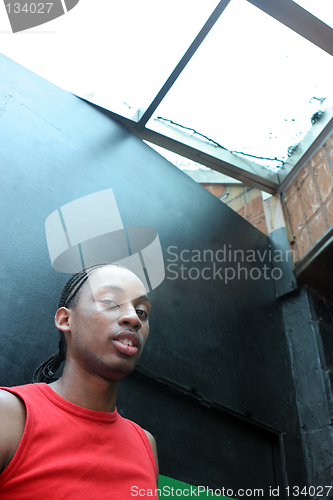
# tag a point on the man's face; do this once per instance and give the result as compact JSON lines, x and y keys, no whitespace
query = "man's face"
{"x":109,"y":324}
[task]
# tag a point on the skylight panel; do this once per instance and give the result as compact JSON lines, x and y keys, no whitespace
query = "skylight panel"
{"x":253,"y":87}
{"x":110,"y":51}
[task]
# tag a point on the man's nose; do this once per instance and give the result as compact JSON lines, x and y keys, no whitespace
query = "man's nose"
{"x":128,"y":316}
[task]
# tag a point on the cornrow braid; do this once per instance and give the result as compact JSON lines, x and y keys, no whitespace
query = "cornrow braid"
{"x":69,"y":297}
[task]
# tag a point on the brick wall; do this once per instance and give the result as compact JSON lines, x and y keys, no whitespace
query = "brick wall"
{"x":247,"y":202}
{"x":308,"y":201}
{"x":253,"y":211}
{"x":217,"y":190}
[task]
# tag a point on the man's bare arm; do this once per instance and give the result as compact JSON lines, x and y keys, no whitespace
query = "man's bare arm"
{"x":12,"y":418}
{"x":154,"y":448}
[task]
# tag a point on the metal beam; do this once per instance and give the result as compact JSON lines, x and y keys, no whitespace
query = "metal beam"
{"x":325,"y":241}
{"x":210,"y":177}
{"x":300,"y":20}
{"x":203,"y":152}
{"x":198,"y":150}
{"x":182,"y":63}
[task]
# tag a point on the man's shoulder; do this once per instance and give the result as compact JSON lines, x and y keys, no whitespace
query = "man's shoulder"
{"x":9,"y":400}
{"x":140,"y":429}
{"x":150,"y":437}
{"x":12,"y":412}
{"x":12,"y":408}
{"x":153,"y":445}
{"x":12,"y":418}
{"x":12,"y":397}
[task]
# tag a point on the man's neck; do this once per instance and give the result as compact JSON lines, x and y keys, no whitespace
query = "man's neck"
{"x":88,"y":391}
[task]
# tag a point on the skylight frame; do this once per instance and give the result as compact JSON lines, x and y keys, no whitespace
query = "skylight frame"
{"x":294,"y":17}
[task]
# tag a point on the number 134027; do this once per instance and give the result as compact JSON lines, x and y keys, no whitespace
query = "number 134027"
{"x":29,"y":8}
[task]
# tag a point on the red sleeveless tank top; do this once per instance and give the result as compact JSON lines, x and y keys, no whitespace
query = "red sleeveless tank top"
{"x":69,"y":452}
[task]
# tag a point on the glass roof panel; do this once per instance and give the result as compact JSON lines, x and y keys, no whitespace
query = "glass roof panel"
{"x":322,"y":9}
{"x":121,"y":51}
{"x":252,"y":86}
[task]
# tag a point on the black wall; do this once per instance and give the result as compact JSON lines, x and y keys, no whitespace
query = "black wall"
{"x":217,"y":363}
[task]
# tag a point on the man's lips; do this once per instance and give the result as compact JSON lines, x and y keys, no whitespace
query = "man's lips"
{"x":129,"y":337}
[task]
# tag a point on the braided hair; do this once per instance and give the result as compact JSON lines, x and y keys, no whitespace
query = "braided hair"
{"x":68,"y":298}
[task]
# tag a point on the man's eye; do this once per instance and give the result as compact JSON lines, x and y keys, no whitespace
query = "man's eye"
{"x":142,"y":314}
{"x":110,"y":304}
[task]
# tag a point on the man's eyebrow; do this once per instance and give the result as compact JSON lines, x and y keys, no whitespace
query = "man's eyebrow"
{"x":113,"y":287}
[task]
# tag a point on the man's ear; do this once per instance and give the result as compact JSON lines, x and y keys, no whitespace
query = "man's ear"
{"x":62,"y":319}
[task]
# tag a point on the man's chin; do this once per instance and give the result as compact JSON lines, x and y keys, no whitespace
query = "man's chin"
{"x":116,"y":373}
